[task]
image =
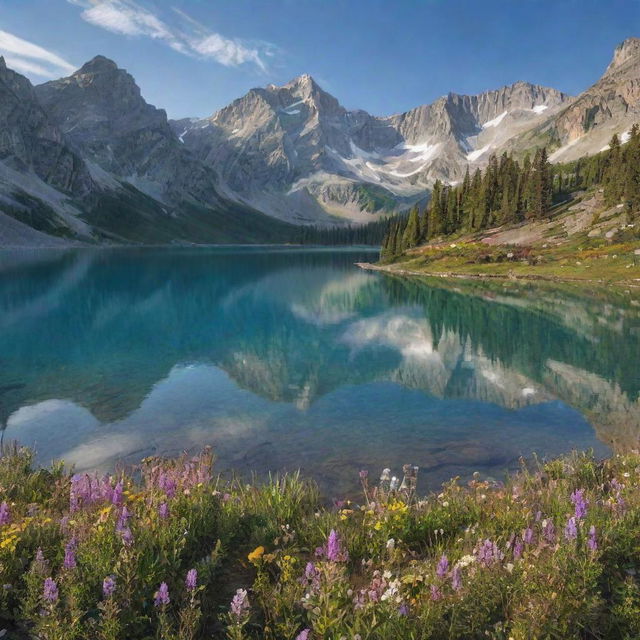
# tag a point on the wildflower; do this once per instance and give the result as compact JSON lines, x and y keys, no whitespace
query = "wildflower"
{"x":40,"y":556}
{"x":163,"y":510}
{"x":403,"y":610}
{"x":517,"y":549}
{"x":527,"y":536}
{"x":571,"y":529}
{"x":395,"y":483}
{"x":580,"y":503}
{"x":108,"y":586}
{"x":256,"y":554}
{"x":436,"y":594}
{"x":303,"y":635}
{"x":488,"y":553}
{"x":465,"y":561}
{"x":127,"y":536}
{"x":70,"y":554}
{"x":364,"y":474}
{"x":191,"y":581}
{"x":549,"y":531}
{"x":443,"y":567}
{"x":334,"y":551}
{"x":167,"y":484}
{"x":116,"y":496}
{"x":50,"y":592}
{"x":5,"y":514}
{"x":240,"y":604}
{"x":391,"y":544}
{"x":592,"y":543}
{"x":161,"y":596}
{"x":456,"y":578}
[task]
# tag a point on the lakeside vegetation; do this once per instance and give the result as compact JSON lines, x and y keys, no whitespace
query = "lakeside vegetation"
{"x":172,"y":551}
{"x":456,"y":232}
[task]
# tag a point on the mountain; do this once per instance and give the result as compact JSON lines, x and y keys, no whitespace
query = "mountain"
{"x":610,"y":106}
{"x":39,"y":171}
{"x":86,"y":158}
{"x":297,"y":154}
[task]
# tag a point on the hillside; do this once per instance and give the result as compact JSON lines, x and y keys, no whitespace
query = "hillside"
{"x":572,"y":221}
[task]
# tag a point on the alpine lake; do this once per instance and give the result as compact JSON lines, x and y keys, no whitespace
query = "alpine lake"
{"x":283,"y":359}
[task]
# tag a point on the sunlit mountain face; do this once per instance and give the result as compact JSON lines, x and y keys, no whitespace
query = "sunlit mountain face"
{"x":282,"y":359}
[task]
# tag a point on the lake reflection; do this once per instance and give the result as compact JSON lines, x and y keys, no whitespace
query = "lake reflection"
{"x":283,"y":359}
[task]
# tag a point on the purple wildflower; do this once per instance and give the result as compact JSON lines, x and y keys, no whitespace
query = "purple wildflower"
{"x":436,"y":594}
{"x":50,"y":592}
{"x":592,"y":542}
{"x":549,"y":531}
{"x":123,"y":518}
{"x":127,"y":536}
{"x":538,"y":516}
{"x":161,"y":596}
{"x":571,"y":529}
{"x":488,"y":553}
{"x":40,"y":556}
{"x":240,"y":604}
{"x":334,"y":551}
{"x":580,"y":503}
{"x":517,"y":549}
{"x":303,"y":635}
{"x":163,"y":510}
{"x":456,"y":579}
{"x":443,"y":567}
{"x":5,"y":514}
{"x":116,"y":496}
{"x":191,"y":581}
{"x":70,"y":554}
{"x":167,"y":484}
{"x":364,"y":474}
{"x":527,"y":536}
{"x":108,"y":586}
{"x":403,"y":610}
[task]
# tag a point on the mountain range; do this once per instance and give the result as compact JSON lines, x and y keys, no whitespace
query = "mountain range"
{"x":86,"y":158}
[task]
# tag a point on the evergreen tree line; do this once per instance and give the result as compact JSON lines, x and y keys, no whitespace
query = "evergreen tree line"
{"x":616,"y":171}
{"x":364,"y":234}
{"x":509,"y":192}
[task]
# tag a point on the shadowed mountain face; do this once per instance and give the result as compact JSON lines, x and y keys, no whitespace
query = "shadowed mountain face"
{"x":282,"y":359}
{"x":87,"y":159}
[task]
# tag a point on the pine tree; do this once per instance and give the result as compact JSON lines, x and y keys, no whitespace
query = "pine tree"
{"x":411,"y":235}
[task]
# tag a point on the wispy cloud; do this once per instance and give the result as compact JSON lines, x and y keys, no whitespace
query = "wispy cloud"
{"x":27,"y":57}
{"x":188,"y":36}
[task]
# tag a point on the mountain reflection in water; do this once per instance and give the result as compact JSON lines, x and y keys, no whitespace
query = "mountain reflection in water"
{"x":285,"y":359}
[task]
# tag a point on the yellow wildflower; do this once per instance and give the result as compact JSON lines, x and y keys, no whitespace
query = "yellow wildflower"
{"x":256,"y":554}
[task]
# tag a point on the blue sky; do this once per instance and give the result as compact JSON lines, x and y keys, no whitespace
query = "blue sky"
{"x":192,"y":57}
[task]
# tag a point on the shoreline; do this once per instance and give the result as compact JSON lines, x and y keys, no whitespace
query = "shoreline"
{"x":393,"y":270}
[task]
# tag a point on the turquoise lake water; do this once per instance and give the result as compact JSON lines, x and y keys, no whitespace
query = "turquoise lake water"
{"x":284,"y":359}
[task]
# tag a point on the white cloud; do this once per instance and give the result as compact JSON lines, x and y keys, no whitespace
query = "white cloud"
{"x":128,"y":18}
{"x":27,"y":57}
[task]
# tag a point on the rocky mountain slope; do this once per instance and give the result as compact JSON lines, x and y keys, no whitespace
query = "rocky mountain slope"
{"x":297,"y":154}
{"x":86,"y":158}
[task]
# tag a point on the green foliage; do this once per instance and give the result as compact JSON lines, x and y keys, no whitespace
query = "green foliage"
{"x":508,"y":192}
{"x":551,"y":553}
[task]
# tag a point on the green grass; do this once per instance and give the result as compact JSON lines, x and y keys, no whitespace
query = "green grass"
{"x":581,"y":259}
{"x":482,"y":559}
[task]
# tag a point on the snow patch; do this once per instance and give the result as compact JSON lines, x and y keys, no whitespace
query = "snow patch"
{"x":558,"y":152}
{"x":181,"y":136}
{"x":478,"y":153}
{"x":496,"y":121}
{"x":539,"y":108}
